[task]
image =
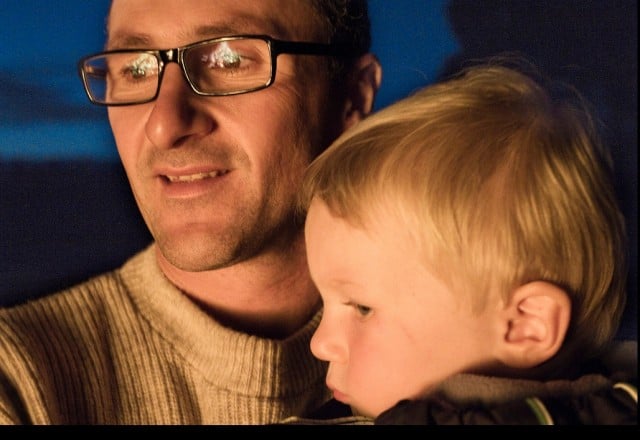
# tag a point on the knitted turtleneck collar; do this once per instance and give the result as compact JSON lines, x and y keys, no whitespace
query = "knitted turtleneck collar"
{"x":229,"y":359}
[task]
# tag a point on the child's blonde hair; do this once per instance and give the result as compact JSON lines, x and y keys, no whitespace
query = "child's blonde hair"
{"x":498,"y":183}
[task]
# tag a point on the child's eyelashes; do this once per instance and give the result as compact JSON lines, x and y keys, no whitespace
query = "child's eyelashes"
{"x":361,"y":309}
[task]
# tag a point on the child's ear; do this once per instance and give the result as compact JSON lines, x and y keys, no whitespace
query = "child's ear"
{"x":534,"y":323}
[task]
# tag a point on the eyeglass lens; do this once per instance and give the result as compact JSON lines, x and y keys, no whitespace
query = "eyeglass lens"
{"x":229,"y":66}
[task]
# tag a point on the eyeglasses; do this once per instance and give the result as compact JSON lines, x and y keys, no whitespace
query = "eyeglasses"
{"x":217,"y":67}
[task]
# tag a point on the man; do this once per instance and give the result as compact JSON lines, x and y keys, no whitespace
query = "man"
{"x":211,"y":323}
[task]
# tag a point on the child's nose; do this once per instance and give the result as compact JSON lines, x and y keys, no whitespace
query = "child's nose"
{"x":326,"y":343}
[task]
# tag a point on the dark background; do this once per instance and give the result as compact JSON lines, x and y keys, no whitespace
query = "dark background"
{"x":66,"y":211}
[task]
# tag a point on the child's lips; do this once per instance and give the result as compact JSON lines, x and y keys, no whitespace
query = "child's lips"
{"x":340,"y":396}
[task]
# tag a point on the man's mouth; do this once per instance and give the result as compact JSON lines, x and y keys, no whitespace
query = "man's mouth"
{"x":195,"y":177}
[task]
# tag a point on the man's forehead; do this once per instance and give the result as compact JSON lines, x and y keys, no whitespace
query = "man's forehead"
{"x":134,"y":23}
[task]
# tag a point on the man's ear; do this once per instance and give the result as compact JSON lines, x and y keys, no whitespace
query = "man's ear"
{"x":365,"y":82}
{"x":534,"y":323}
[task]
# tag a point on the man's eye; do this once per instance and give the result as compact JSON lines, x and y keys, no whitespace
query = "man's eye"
{"x":222,"y":57}
{"x":140,"y":68}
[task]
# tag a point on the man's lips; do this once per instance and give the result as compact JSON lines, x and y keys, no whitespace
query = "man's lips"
{"x":178,"y":178}
{"x":189,"y":183}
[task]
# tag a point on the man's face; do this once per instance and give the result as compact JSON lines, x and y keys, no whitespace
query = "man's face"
{"x":215,"y":177}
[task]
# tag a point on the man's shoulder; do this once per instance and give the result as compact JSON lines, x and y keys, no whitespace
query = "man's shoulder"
{"x":82,"y":297}
{"x":92,"y":297}
{"x":50,"y":343}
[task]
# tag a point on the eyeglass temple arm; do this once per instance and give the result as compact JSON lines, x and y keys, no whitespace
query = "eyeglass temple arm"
{"x":303,"y":48}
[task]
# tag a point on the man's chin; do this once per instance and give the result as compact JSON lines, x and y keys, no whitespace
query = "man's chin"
{"x":193,"y":258}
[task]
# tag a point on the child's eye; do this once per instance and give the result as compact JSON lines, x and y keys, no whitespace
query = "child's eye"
{"x":363,"y":310}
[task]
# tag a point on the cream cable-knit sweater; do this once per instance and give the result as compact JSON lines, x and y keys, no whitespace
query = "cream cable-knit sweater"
{"x":129,"y":348}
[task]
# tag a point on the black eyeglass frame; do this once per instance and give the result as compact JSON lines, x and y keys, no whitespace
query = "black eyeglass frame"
{"x":176,"y":55}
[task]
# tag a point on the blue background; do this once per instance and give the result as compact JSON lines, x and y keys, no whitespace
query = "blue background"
{"x":66,"y":211}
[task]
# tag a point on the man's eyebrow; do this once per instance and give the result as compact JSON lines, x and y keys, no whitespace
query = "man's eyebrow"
{"x":243,"y":25}
{"x":126,"y":41}
{"x":218,"y":30}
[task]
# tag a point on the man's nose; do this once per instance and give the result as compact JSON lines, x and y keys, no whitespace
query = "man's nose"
{"x":175,"y":117}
